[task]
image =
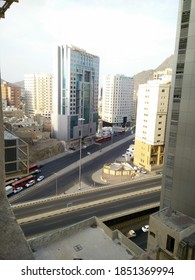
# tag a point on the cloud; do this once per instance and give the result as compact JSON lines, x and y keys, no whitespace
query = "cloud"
{"x":128,"y":35}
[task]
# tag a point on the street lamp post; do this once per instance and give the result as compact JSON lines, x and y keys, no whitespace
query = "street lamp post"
{"x":80,"y":159}
{"x":56,"y":184}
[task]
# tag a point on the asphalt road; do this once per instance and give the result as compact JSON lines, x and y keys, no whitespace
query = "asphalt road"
{"x":79,"y":198}
{"x":68,"y":180}
{"x":71,"y":157}
{"x":69,"y":218}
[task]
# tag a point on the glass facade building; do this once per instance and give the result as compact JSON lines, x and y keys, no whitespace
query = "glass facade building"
{"x":75,"y":96}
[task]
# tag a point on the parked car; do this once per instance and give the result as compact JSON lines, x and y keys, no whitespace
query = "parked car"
{"x":143,"y":171}
{"x":40,"y":178}
{"x":131,"y":233}
{"x":30,"y":183}
{"x":37,"y":170}
{"x":18,"y":190}
{"x":145,"y":228}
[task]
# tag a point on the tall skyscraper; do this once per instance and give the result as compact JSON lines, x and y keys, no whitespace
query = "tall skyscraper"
{"x":178,"y":183}
{"x":117,"y":104}
{"x":38,"y":94}
{"x":151,"y":123}
{"x":75,"y":95}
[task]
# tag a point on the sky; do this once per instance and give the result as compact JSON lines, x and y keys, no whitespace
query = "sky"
{"x":129,"y":36}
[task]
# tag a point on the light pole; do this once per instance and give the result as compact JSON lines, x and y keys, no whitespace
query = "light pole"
{"x":80,"y":159}
{"x":56,"y":184}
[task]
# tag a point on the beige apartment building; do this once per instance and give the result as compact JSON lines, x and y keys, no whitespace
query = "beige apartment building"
{"x":163,"y":75}
{"x":151,"y":123}
{"x":11,"y":94}
{"x":38,"y":94}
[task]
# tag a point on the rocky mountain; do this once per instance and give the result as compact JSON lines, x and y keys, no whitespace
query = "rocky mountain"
{"x":20,"y":84}
{"x":139,"y":78}
{"x":144,"y":76}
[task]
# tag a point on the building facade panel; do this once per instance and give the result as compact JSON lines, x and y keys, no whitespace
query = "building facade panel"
{"x":180,"y":133}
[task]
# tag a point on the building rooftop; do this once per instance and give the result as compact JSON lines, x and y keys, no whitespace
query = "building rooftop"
{"x":174,"y":219}
{"x":87,"y":240}
{"x":9,"y":136}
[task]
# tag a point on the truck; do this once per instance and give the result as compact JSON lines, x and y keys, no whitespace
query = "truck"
{"x":8,"y":190}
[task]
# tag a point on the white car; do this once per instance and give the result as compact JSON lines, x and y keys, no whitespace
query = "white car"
{"x":145,"y":228}
{"x":37,"y":170}
{"x":40,"y":178}
{"x":131,"y":233}
{"x":18,"y":190}
{"x":30,"y":183}
{"x":143,"y":171}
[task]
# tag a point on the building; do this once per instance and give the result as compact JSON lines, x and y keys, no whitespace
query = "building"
{"x":172,"y":229}
{"x":38,"y":94}
{"x":178,"y":183}
{"x":90,"y":239}
{"x":76,"y":88}
{"x":171,"y":236}
{"x":151,"y":124}
{"x":4,"y":104}
{"x":11,"y":143}
{"x":163,"y":74}
{"x":117,"y":103}
{"x":11,"y":93}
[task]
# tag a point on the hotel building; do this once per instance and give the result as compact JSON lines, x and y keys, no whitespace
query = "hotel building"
{"x":117,"y":104}
{"x":75,"y":95}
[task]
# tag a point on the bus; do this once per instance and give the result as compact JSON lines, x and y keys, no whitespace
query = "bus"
{"x":33,"y":167}
{"x":103,"y":139}
{"x":22,"y":182}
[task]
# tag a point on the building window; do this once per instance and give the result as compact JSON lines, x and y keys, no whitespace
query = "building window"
{"x":170,"y":243}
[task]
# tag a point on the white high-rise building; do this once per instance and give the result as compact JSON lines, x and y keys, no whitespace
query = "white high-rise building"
{"x":75,"y":95}
{"x":151,"y":123}
{"x":117,"y":102}
{"x":38,"y":94}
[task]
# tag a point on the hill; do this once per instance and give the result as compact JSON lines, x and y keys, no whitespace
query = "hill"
{"x":144,"y":76}
{"x":139,"y":78}
{"x":19,"y":84}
